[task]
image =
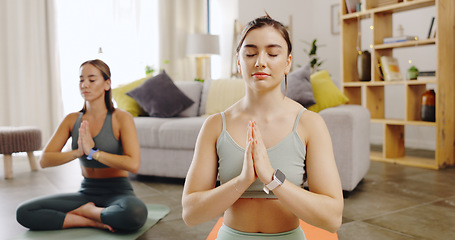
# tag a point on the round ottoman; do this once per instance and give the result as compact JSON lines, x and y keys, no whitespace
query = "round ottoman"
{"x":19,"y":139}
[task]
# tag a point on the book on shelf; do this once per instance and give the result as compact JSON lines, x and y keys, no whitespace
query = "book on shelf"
{"x":399,"y":39}
{"x":390,"y":69}
{"x":431,"y":28}
{"x":427,"y":75}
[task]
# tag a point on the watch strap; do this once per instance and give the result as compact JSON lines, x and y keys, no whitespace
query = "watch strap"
{"x":273,"y":184}
{"x":92,"y":151}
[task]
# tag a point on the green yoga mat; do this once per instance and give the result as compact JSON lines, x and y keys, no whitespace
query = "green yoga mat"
{"x":155,"y":213}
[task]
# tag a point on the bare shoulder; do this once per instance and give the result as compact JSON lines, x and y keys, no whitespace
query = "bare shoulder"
{"x":122,"y":115}
{"x":311,"y":123}
{"x":70,"y":119}
{"x":213,"y":123}
{"x":310,"y":116}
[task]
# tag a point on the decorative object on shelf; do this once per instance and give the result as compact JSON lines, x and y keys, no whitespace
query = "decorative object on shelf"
{"x":364,"y":66}
{"x":315,"y":63}
{"x":427,"y":109}
{"x":390,"y":69}
{"x":351,"y":6}
{"x":412,"y":73}
{"x":335,"y":19}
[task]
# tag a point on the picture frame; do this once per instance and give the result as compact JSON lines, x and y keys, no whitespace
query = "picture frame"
{"x":335,"y":19}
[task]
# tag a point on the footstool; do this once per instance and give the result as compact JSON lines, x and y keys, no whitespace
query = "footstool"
{"x":19,"y":139}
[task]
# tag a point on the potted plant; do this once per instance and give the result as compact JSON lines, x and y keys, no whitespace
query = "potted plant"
{"x":315,"y":62}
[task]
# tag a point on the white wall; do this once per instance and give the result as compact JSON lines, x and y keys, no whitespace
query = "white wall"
{"x":312,"y":19}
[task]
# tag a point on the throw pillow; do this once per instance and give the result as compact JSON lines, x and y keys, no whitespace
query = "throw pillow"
{"x":191,"y":89}
{"x":159,"y":97}
{"x":325,"y":92}
{"x":223,"y":93}
{"x":299,"y":87}
{"x":126,"y":102}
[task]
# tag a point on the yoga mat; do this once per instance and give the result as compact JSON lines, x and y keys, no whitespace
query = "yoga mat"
{"x":155,"y":213}
{"x":311,"y":232}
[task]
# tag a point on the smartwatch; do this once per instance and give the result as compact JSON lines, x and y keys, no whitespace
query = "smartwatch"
{"x":278,"y":179}
{"x":92,"y":151}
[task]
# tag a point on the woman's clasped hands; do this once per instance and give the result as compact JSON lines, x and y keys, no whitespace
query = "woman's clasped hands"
{"x":256,"y":162}
{"x":85,"y":141}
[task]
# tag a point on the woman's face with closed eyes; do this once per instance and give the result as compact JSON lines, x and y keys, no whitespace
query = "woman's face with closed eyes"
{"x":263,"y":57}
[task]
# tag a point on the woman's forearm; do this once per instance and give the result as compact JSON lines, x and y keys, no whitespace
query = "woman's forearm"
{"x":52,"y":159}
{"x":320,"y":210}
{"x":122,"y":162}
{"x":199,"y":207}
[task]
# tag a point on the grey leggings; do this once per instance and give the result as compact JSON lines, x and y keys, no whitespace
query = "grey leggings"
{"x":123,"y":210}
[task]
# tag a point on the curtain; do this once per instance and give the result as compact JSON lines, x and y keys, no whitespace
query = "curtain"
{"x":177,"y":19}
{"x":29,"y":67}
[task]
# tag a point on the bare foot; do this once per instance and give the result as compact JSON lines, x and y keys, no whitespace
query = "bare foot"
{"x":73,"y":220}
{"x":87,"y":215}
{"x":82,"y":210}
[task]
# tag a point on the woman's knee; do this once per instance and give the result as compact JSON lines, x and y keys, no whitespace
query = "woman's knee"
{"x":127,"y":214}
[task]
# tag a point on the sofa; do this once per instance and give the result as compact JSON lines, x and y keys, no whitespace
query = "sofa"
{"x":167,"y":144}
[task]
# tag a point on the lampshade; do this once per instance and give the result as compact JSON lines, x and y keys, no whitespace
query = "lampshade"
{"x":202,"y":45}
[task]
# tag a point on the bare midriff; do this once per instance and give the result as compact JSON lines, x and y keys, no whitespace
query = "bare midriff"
{"x":260,"y":215}
{"x":103,"y":172}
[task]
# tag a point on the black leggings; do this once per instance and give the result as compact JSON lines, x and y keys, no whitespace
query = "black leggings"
{"x":122,"y":209}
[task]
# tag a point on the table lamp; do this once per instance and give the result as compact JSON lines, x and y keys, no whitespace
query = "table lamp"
{"x":202,"y":46}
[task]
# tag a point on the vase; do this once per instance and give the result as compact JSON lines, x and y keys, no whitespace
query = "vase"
{"x":364,"y":66}
{"x":427,"y":109}
{"x":412,"y":73}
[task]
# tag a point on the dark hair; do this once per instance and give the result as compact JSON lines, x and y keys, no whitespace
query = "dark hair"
{"x":106,"y":72}
{"x":262,"y":22}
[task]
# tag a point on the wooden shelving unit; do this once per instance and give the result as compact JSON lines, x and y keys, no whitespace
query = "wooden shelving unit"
{"x":371,"y":93}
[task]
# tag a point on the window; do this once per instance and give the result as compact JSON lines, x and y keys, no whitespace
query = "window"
{"x":124,"y":30}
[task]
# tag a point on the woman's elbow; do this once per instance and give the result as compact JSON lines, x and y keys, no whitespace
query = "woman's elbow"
{"x":335,"y":221}
{"x":43,"y":163}
{"x":135,"y":166}
{"x":335,"y":224}
{"x":189,"y":221}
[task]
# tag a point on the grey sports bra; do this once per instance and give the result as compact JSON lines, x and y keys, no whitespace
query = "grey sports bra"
{"x":105,"y":141}
{"x":288,"y":155}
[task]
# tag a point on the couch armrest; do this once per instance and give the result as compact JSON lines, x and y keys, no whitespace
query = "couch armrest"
{"x":349,"y":127}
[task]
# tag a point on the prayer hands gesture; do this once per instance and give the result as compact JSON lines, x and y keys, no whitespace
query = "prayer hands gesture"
{"x":256,"y":162}
{"x":85,"y":140}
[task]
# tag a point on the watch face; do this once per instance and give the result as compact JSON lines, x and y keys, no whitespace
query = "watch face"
{"x":280,"y":175}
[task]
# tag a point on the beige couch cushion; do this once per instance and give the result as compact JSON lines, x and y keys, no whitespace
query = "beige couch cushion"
{"x":223,"y":93}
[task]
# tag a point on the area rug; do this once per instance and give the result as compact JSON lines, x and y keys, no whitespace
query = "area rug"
{"x":155,"y":213}
{"x":311,"y":232}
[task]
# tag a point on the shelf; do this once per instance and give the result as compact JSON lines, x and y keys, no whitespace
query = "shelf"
{"x":384,"y":83}
{"x":402,"y":122}
{"x":372,"y":94}
{"x":405,"y":160}
{"x":414,"y":43}
{"x":393,"y":8}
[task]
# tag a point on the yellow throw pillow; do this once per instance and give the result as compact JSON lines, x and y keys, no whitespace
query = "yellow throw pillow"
{"x":326,"y":93}
{"x":223,"y":93}
{"x":126,"y":102}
